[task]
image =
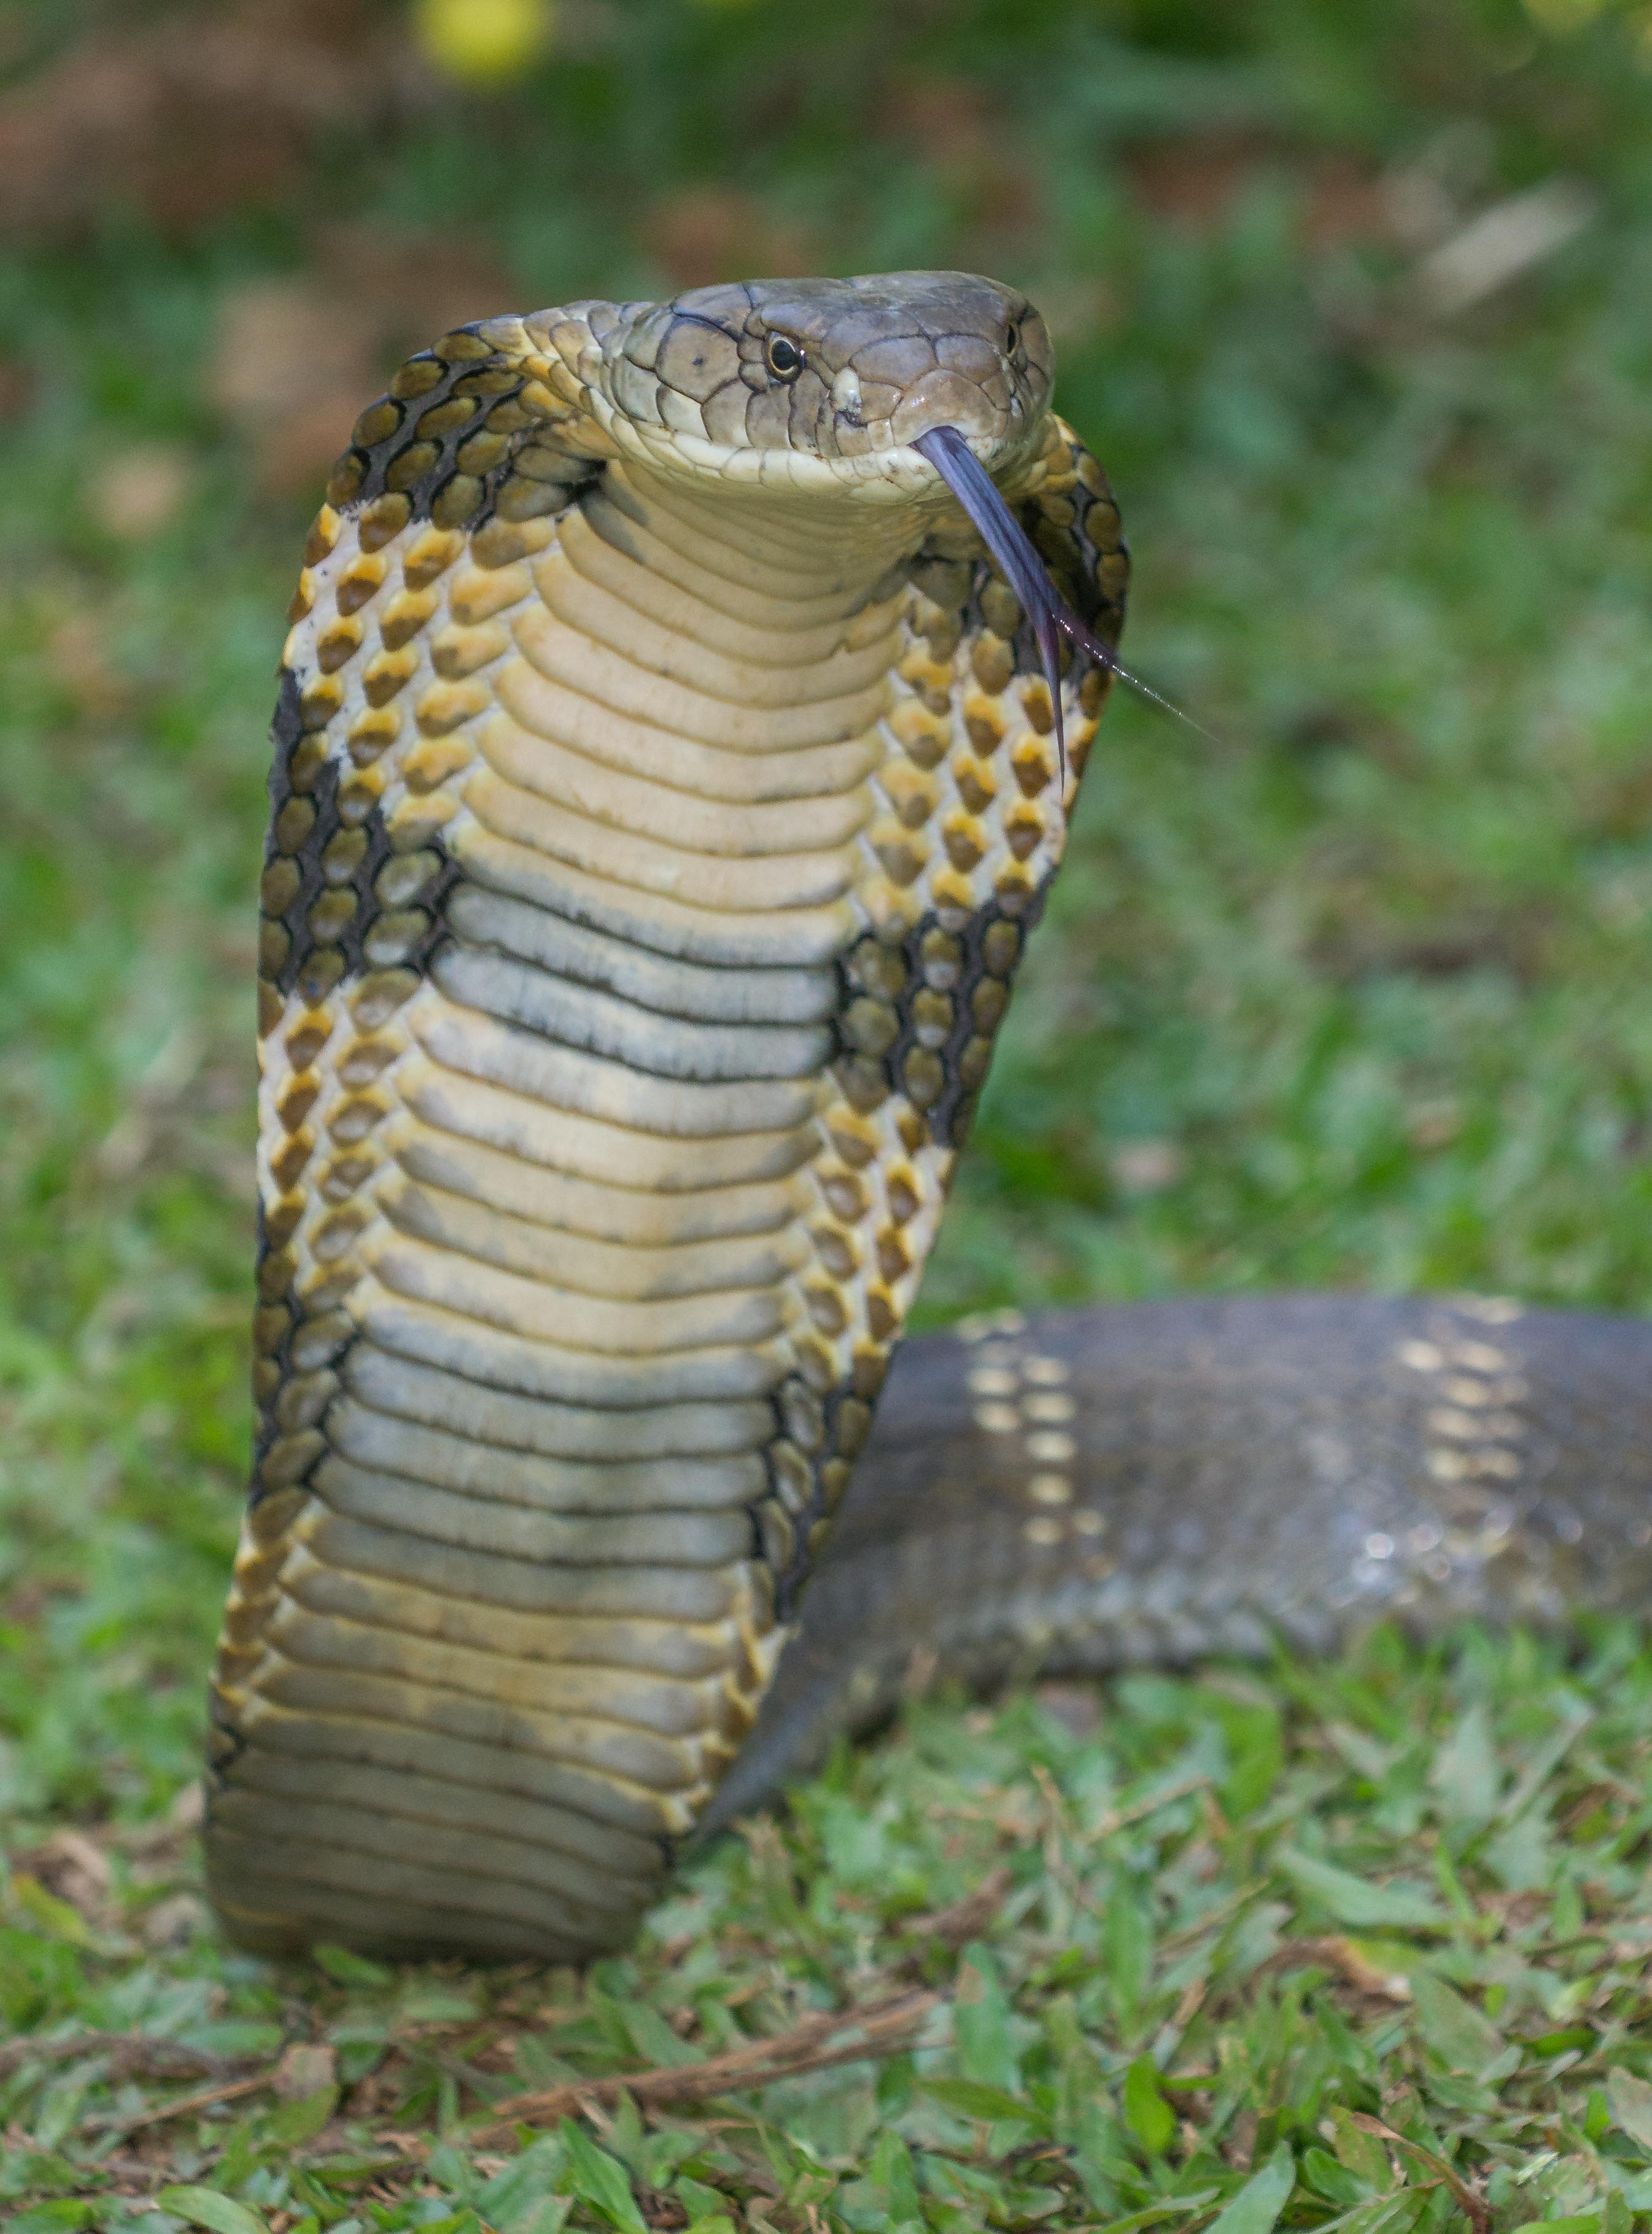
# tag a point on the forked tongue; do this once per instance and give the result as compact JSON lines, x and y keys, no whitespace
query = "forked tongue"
{"x":1019,"y":563}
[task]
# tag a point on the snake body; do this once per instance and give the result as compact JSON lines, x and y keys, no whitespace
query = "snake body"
{"x":667,"y":776}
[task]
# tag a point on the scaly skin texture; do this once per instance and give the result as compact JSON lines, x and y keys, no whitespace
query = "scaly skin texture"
{"x":665,"y":786}
{"x":1086,"y":1490}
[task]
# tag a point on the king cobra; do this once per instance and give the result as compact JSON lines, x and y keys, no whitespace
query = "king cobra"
{"x":683,"y":711}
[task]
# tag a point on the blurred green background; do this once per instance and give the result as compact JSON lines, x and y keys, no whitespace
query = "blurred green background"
{"x":1354,"y":298}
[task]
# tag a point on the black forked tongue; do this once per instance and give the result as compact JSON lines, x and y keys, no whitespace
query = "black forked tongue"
{"x":1019,"y":563}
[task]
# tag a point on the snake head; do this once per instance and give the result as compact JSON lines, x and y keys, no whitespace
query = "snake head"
{"x":909,"y":388}
{"x":815,"y":381}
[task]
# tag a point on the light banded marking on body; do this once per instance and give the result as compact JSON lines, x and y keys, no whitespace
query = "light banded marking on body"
{"x":983,"y":1326}
{"x":1017,"y":1394}
{"x":1422,"y":1356}
{"x":1473,"y":1438}
{"x":1047,"y":1372}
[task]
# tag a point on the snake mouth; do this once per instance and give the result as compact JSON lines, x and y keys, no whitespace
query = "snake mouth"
{"x":1011,"y":550}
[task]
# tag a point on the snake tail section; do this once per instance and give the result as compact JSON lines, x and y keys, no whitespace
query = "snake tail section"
{"x":664,"y":787}
{"x":1089,"y":1490}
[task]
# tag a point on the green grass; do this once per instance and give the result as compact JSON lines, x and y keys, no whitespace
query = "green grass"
{"x":1354,"y":996}
{"x":1381,"y":1930}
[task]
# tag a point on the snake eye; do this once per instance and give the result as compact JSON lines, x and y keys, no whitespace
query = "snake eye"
{"x":1012,"y":338}
{"x":783,"y":357}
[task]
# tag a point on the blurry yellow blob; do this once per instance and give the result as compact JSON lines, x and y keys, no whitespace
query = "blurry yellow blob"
{"x":484,"y":41}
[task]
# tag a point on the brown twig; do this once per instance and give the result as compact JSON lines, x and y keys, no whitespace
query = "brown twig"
{"x":1117,"y":1818}
{"x":1342,"y":1955}
{"x":134,"y":2054}
{"x":962,"y":1920}
{"x":835,"y":2036}
{"x":203,"y":2098}
{"x":1217,"y":1916}
{"x":1468,"y":2198}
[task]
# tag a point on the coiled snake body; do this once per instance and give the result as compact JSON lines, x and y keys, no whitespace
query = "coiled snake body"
{"x":673,"y":754}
